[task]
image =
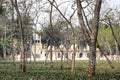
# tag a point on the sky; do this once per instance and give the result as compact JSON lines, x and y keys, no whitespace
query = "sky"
{"x":114,"y":3}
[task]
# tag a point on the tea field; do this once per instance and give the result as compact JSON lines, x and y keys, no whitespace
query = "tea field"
{"x":52,"y":71}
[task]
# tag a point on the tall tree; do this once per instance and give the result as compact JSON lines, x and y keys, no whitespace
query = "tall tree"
{"x":20,"y":24}
{"x":91,"y":37}
{"x":56,"y":6}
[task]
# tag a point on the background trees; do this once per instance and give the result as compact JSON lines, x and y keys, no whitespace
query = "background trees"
{"x":91,"y":34}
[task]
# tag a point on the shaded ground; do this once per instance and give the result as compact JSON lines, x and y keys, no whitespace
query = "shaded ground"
{"x":52,"y":71}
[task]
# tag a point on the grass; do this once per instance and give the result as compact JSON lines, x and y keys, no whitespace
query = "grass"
{"x":52,"y":71}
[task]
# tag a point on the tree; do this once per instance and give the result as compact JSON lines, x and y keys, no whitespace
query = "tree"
{"x":20,"y":24}
{"x":69,"y":21}
{"x":24,"y":22}
{"x":91,"y":36}
{"x":111,"y":27}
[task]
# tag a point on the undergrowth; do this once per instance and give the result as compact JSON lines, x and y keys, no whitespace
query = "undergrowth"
{"x":52,"y":71}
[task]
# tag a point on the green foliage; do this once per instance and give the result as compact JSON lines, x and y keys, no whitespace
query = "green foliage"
{"x":105,"y":36}
{"x":117,"y":32}
{"x":54,"y":35}
{"x":52,"y":71}
{"x":2,"y":11}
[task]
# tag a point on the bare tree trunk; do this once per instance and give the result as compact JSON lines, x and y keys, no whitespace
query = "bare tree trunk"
{"x":51,"y":54}
{"x":61,"y":59}
{"x":21,"y":34}
{"x":30,"y":48}
{"x":4,"y":46}
{"x":46,"y":56}
{"x":33,"y":56}
{"x":92,"y":59}
{"x":12,"y":51}
{"x":117,"y":42}
{"x":67,"y":54}
{"x":73,"y":55}
{"x":73,"y":33}
{"x":11,"y":26}
{"x":4,"y":52}
{"x":91,"y":37}
{"x":51,"y":25}
{"x":35,"y":46}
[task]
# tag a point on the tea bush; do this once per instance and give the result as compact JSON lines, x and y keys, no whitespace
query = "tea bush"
{"x":52,"y":71}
